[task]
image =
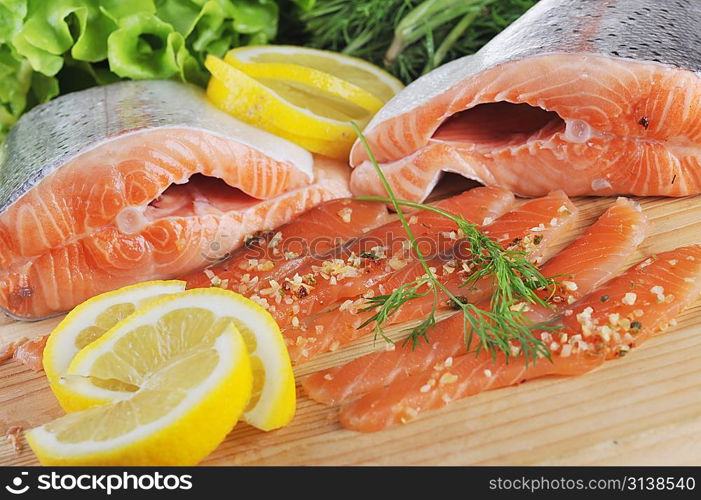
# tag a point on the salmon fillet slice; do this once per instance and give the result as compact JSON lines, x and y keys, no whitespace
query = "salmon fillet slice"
{"x":603,"y":325}
{"x":583,"y":265}
{"x":319,"y":282}
{"x":274,"y":254}
{"x":145,"y":206}
{"x":528,"y":228}
{"x":597,"y":108}
{"x":386,"y":258}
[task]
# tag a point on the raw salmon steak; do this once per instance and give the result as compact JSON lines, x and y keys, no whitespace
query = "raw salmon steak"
{"x":605,"y":324}
{"x":592,"y":97}
{"x":583,"y":265}
{"x":137,"y":181}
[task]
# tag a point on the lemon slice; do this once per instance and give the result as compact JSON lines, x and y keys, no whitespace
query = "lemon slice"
{"x":222,"y":96}
{"x":273,"y":399}
{"x":86,"y":323}
{"x":193,"y":385}
{"x":273,"y":105}
{"x":337,"y":73}
{"x":306,"y":96}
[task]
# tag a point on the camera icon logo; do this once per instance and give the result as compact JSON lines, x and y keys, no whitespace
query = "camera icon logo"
{"x":16,"y":488}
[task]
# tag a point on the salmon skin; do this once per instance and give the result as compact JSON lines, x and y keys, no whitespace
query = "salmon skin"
{"x":595,"y":97}
{"x":582,"y":266}
{"x":594,"y":330}
{"x":136,"y":181}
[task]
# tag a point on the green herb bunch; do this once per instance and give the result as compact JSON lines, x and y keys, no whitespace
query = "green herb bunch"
{"x":408,"y":37}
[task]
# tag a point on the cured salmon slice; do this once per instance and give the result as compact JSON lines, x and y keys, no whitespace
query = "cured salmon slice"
{"x":603,"y":325}
{"x":529,"y":228}
{"x":137,"y":181}
{"x":582,"y":266}
{"x":275,"y":254}
{"x":320,"y":282}
{"x":574,"y":95}
{"x":598,"y":254}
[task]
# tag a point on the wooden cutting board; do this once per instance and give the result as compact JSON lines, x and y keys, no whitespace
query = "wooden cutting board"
{"x":642,"y":409}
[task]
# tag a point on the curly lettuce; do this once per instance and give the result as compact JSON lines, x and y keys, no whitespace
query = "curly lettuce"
{"x":57,"y":46}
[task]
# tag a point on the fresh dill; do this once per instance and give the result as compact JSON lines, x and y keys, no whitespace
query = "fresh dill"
{"x":503,"y":328}
{"x":407,"y":37}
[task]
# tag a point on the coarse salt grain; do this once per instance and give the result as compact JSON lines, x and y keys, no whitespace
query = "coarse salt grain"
{"x":629,"y":298}
{"x":345,"y":214}
{"x":659,"y":292}
{"x":645,"y":263}
{"x":447,"y":378}
{"x":275,"y":240}
{"x":397,"y":263}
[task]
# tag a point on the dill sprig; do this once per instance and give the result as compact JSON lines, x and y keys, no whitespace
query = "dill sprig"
{"x":503,"y":328}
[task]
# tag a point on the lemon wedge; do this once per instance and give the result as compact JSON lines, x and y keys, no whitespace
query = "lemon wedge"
{"x":192,"y":387}
{"x":306,"y":96}
{"x":86,"y":323}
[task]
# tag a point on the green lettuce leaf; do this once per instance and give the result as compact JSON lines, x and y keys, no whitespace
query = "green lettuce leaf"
{"x":256,"y":16}
{"x":48,"y":47}
{"x":15,"y":82}
{"x":144,"y":47}
{"x":12,"y":14}
{"x":117,"y":9}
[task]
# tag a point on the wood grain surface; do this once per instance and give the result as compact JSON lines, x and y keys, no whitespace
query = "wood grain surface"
{"x":642,"y":409}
